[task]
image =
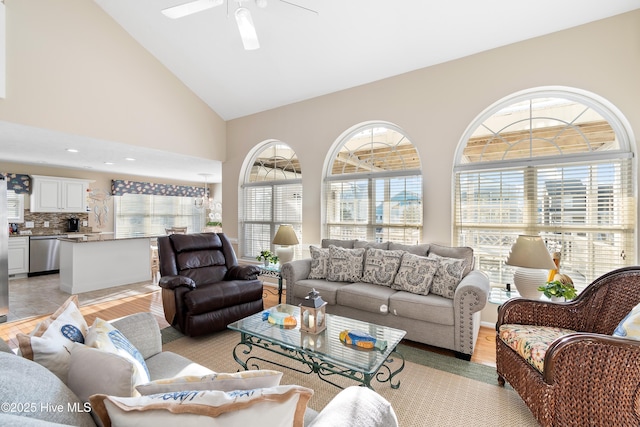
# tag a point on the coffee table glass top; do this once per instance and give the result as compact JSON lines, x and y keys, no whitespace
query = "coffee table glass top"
{"x":326,"y":345}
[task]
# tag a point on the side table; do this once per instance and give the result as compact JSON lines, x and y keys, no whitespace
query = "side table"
{"x":501,"y":295}
{"x":273,"y":271}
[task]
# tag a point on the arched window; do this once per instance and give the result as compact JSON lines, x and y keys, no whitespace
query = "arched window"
{"x":373,"y":186}
{"x":272,"y":195}
{"x":552,"y":162}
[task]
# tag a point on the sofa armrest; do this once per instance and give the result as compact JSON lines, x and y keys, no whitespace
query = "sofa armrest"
{"x":356,"y":406}
{"x":244,"y":272}
{"x":142,"y":331}
{"x":472,"y":291}
{"x":172,"y":282}
{"x":293,"y":271}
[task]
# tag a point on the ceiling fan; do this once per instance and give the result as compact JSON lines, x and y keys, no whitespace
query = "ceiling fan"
{"x":242,"y":14}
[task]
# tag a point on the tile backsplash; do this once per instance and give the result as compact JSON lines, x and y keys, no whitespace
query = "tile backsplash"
{"x":57,"y":222}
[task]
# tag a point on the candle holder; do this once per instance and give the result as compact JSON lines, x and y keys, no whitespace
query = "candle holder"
{"x":312,"y":313}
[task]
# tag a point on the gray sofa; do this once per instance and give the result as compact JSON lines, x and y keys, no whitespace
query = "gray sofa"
{"x":31,"y":395}
{"x":451,"y":322}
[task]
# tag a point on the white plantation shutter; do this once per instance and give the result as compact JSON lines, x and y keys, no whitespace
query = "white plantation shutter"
{"x":573,"y":186}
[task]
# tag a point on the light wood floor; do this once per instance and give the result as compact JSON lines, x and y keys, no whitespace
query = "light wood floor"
{"x":113,"y":308}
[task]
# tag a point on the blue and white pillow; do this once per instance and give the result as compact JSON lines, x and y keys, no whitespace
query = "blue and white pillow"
{"x":629,"y":327}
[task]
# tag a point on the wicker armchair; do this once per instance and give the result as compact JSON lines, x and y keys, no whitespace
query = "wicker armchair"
{"x":589,"y":377}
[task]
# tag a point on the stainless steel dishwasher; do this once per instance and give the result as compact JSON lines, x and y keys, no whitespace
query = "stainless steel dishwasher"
{"x":44,"y":255}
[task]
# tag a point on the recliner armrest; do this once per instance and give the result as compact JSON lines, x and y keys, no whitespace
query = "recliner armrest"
{"x":172,"y":282}
{"x":244,"y":272}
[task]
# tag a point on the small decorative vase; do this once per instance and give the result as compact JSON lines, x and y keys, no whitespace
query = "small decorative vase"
{"x":266,"y":263}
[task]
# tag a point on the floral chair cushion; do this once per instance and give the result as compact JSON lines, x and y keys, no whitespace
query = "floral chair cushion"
{"x":531,"y":341}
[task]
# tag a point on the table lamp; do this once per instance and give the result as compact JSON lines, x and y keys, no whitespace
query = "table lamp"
{"x":534,"y":261}
{"x":285,"y":237}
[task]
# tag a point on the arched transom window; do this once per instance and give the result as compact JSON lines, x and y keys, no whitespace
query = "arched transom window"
{"x":373,"y":186}
{"x":557,"y":163}
{"x":272,"y":195}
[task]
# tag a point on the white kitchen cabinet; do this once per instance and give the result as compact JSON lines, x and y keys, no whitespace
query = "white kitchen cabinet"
{"x":18,"y":255}
{"x":52,"y":194}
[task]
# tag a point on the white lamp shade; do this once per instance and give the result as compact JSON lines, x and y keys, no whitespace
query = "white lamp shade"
{"x":530,"y":252}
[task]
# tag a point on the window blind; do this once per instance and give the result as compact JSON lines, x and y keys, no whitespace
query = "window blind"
{"x":387,"y":208}
{"x":584,"y":210}
{"x":15,"y":206}
{"x":267,"y":206}
{"x":144,"y":215}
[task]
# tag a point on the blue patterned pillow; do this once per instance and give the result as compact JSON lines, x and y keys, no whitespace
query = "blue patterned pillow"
{"x":629,"y":327}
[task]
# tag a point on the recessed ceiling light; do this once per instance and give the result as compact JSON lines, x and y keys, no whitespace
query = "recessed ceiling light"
{"x":130,"y":159}
{"x":72,"y":150}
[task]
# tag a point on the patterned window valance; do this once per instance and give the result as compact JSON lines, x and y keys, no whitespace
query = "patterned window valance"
{"x":19,"y":183}
{"x":120,"y":187}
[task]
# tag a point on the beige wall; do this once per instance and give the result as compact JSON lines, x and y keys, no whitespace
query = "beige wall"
{"x":435,"y":105}
{"x":71,"y":68}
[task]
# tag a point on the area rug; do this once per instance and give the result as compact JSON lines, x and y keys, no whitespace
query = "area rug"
{"x":426,"y":396}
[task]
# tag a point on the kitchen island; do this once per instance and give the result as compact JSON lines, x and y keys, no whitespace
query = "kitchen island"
{"x":95,"y":261}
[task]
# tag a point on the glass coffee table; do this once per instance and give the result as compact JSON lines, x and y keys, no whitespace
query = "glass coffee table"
{"x":323,"y":354}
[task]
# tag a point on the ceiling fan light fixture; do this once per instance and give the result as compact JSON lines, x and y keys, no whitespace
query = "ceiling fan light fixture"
{"x":247,"y":29}
{"x":261,"y":3}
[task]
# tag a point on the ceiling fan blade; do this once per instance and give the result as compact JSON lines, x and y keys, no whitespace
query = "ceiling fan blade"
{"x":190,"y":8}
{"x":301,"y":7}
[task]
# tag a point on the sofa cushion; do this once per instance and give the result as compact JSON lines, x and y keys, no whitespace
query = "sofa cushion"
{"x":168,"y":364}
{"x":421,"y":249}
{"x":345,"y":265}
{"x":531,"y":341}
{"x":338,"y":242}
{"x":366,"y":244}
{"x":51,"y":342}
{"x":460,"y":252}
{"x":116,"y":375}
{"x":381,"y":266}
{"x":415,"y":274}
{"x":448,"y":275}
{"x":319,"y":262}
{"x":428,"y":308}
{"x":285,"y":405}
{"x":365,"y":296}
{"x":243,"y":380}
{"x":103,"y":336}
{"x":327,"y":290}
{"x":25,"y":382}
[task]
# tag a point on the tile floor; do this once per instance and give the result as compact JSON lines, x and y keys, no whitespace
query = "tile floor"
{"x":38,"y":295}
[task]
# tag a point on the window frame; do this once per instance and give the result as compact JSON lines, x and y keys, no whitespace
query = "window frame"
{"x":624,"y":153}
{"x":373,"y":230}
{"x":19,"y":200}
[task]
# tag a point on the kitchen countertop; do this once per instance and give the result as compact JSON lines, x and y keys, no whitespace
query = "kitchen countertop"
{"x":98,"y":237}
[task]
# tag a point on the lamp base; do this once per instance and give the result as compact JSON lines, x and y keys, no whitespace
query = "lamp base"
{"x":527,"y":281}
{"x":285,"y":254}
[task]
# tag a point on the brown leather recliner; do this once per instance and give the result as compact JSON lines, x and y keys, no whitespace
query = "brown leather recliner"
{"x":203,"y":287}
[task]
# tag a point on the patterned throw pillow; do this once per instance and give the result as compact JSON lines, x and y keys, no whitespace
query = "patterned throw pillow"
{"x":448,"y":275}
{"x":243,"y":380}
{"x":319,"y":261}
{"x":345,"y":265}
{"x":51,"y":342}
{"x":629,"y":327}
{"x":415,"y":274}
{"x":381,"y":266}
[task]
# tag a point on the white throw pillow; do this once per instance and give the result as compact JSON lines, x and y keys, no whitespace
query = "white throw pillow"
{"x":243,"y":380}
{"x":629,"y":327}
{"x":104,"y":336}
{"x":282,"y":406}
{"x":52,"y":341}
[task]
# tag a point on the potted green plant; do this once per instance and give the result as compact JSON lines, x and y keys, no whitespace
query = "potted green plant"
{"x":556,"y":290}
{"x":268,"y":257}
